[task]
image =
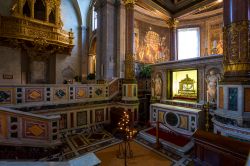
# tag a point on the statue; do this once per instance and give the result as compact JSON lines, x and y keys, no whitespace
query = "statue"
{"x":212,"y":80}
{"x":158,"y":85}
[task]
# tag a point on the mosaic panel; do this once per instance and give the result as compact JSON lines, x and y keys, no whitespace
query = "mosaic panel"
{"x":113,"y":88}
{"x":5,"y":96}
{"x":81,"y":93}
{"x":34,"y":94}
{"x":81,"y":118}
{"x":60,"y":93}
{"x":183,"y":122}
{"x":99,"y":115}
{"x":232,"y":99}
{"x":99,"y":92}
{"x":35,"y":129}
{"x":63,"y":121}
{"x":247,"y":98}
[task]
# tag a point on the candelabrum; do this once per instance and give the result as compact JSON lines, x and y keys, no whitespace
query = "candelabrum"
{"x":128,"y":133}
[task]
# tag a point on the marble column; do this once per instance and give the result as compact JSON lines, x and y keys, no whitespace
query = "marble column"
{"x":236,"y":41}
{"x":172,"y":24}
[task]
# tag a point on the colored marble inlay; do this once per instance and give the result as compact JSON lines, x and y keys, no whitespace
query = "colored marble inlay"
{"x":80,"y":93}
{"x":99,"y":115}
{"x":161,"y":116}
{"x":63,"y":121}
{"x":113,"y":88}
{"x":34,"y":94}
{"x":183,"y":122}
{"x":5,"y":96}
{"x":99,"y":92}
{"x":247,"y":99}
{"x":35,"y":129}
{"x":81,"y":118}
{"x":129,"y":90}
{"x":60,"y":93}
{"x":221,"y":98}
{"x":232,"y":99}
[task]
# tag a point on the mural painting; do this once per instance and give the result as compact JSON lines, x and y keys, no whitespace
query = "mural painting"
{"x":151,"y":43}
{"x":215,"y":39}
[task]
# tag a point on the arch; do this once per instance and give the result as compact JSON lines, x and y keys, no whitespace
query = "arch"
{"x":40,"y":10}
{"x":26,"y":9}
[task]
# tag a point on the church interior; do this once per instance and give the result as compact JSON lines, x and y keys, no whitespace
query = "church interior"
{"x":125,"y":82}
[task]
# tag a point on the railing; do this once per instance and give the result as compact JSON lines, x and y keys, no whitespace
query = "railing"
{"x":22,"y":128}
{"x":28,"y":95}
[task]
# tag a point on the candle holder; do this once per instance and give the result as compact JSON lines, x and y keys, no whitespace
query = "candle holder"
{"x":128,"y":133}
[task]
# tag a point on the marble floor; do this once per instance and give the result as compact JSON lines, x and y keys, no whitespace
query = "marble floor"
{"x":142,"y":156}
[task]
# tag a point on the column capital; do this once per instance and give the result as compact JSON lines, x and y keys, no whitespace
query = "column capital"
{"x":172,"y":22}
{"x":129,"y":2}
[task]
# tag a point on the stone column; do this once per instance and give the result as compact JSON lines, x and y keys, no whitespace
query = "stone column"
{"x":236,"y":41}
{"x":105,"y":59}
{"x":172,"y":24}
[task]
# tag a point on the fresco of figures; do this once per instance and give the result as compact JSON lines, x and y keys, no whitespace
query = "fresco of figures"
{"x":151,"y":43}
{"x":216,"y":39}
